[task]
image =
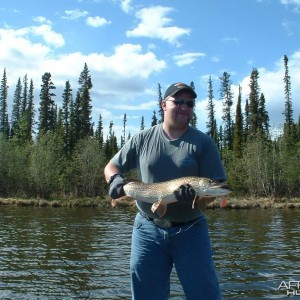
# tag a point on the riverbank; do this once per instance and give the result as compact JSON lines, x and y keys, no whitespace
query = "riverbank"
{"x":230,"y":203}
{"x":264,"y":203}
{"x":80,"y":202}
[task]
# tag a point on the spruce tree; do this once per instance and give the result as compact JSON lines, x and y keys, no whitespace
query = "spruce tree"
{"x":253,"y":103}
{"x":85,"y":108}
{"x":99,"y":132}
{"x":288,"y":111}
{"x":47,"y":105}
{"x":263,"y":117}
{"x":298,"y":130}
{"x":30,"y":112}
{"x":154,"y":119}
{"x":160,"y":110}
{"x":123,"y":138}
{"x":75,"y":121}
{"x":226,"y":96}
{"x":86,"y":128}
{"x":193,"y":121}
{"x":23,"y":132}
{"x":142,"y":127}
{"x":111,"y":145}
{"x":24,"y":103}
{"x":22,"y":114}
{"x":238,"y":128}
{"x":211,"y":123}
{"x":4,"y":125}
{"x":16,"y":109}
{"x":66,"y":116}
{"x":220,"y":142}
{"x":289,"y":126}
{"x":246,"y":120}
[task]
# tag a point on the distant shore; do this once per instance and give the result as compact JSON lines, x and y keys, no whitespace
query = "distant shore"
{"x":265,"y":203}
{"x":230,"y":203}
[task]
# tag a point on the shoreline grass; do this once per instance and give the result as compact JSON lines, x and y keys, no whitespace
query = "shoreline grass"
{"x":230,"y":203}
{"x":70,"y":203}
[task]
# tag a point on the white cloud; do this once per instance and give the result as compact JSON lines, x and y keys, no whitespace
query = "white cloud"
{"x":154,"y":24}
{"x":43,"y":31}
{"x":215,"y":59}
{"x":120,"y":76}
{"x":74,"y":14}
{"x":187,"y":58}
{"x":97,"y":21}
{"x":117,"y":78}
{"x":290,"y":26}
{"x":42,"y":20}
{"x":50,"y":37}
{"x":128,"y":61}
{"x":18,"y":54}
{"x":138,"y":106}
{"x":295,"y":2}
{"x":126,"y":5}
{"x":230,"y":40}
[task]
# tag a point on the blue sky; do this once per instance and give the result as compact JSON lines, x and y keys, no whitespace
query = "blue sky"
{"x":132,"y":45}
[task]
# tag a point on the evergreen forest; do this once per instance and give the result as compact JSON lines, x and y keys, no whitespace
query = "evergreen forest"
{"x":52,"y":152}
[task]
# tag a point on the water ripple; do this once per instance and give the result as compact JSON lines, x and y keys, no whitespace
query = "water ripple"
{"x":49,"y":253}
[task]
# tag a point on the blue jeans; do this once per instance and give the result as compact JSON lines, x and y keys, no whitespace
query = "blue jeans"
{"x":155,"y":250}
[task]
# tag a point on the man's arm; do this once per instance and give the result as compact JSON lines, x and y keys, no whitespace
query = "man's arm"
{"x":110,"y":170}
{"x":115,"y":180}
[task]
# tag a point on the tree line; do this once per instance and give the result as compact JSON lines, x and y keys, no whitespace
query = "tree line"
{"x":61,"y":153}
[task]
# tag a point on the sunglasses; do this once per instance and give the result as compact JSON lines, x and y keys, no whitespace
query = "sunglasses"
{"x":179,"y":102}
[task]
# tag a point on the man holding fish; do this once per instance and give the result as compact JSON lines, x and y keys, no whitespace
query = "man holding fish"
{"x":170,"y":230}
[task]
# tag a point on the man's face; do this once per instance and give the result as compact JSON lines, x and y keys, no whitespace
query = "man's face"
{"x":178,"y":109}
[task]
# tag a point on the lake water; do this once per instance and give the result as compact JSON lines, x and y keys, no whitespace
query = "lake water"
{"x":83,"y":253}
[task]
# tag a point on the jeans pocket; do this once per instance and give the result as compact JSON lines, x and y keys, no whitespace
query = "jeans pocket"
{"x":139,"y":221}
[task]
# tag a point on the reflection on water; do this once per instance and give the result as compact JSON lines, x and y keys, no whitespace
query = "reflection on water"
{"x":255,"y":250}
{"x":83,"y":253}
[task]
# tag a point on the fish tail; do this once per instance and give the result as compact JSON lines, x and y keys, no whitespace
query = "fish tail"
{"x":114,"y":202}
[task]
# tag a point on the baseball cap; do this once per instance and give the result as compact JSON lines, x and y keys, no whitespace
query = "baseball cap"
{"x":179,"y":86}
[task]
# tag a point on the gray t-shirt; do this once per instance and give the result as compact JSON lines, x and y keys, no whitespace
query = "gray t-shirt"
{"x":158,"y":159}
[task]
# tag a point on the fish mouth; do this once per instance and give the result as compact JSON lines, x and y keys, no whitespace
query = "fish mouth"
{"x":221,"y":185}
{"x":217,"y":190}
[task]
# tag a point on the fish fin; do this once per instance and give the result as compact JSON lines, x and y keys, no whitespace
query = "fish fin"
{"x":159,"y":208}
{"x":114,"y":202}
{"x":195,"y":201}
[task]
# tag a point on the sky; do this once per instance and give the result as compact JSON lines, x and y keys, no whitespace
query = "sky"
{"x":131,"y":46}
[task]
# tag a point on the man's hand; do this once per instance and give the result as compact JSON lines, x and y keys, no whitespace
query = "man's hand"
{"x":116,"y":187}
{"x":185,"y":194}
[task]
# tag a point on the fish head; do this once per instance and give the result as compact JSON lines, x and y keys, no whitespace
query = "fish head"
{"x":206,"y":187}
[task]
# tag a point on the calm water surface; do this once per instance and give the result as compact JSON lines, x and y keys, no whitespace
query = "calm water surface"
{"x":83,"y":253}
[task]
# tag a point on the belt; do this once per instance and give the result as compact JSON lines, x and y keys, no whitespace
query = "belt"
{"x":164,"y":222}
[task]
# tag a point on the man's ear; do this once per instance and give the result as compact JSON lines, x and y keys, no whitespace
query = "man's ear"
{"x":163,"y":104}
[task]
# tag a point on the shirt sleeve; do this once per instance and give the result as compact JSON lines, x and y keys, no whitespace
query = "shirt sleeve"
{"x":210,"y":164}
{"x":126,"y":158}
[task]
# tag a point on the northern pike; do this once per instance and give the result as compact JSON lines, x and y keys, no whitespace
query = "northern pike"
{"x":162,"y":193}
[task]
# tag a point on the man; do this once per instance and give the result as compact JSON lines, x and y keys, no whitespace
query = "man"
{"x":167,"y":151}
